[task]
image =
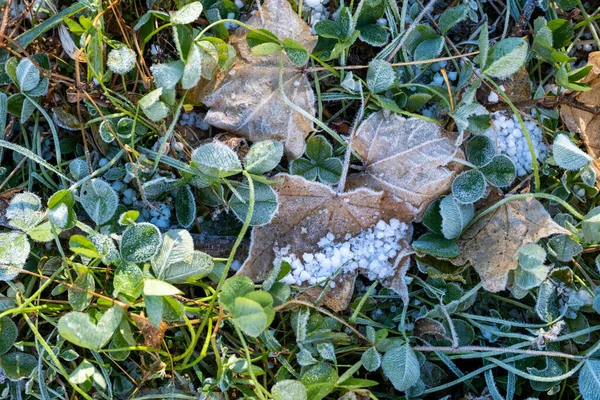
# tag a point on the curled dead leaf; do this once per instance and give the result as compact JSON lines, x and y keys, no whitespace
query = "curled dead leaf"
{"x":307,"y":212}
{"x":410,"y":158}
{"x":246,"y":99}
{"x":493,"y":242}
{"x":69,"y":45}
{"x":153,"y":336}
{"x":583,"y":122}
{"x":425,"y":327}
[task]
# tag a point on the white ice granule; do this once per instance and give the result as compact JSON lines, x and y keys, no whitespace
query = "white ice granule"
{"x":372,"y":252}
{"x":493,"y":97}
{"x":194,"y":119}
{"x":230,"y":25}
{"x":438,"y":79}
{"x":510,"y":140}
{"x":236,"y":265}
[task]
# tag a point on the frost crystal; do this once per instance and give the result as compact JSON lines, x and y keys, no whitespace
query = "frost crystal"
{"x":121,"y":60}
{"x":510,"y":140}
{"x":372,"y":252}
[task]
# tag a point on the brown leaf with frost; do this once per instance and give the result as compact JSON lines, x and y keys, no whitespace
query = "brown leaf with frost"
{"x":307,"y":212}
{"x":493,"y":242}
{"x":246,"y":100}
{"x":585,"y":123}
{"x":410,"y":158}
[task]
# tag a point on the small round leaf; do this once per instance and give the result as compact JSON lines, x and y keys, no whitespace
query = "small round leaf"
{"x":265,"y":203}
{"x":531,"y":256}
{"x":140,"y":242}
{"x":8,"y":334}
{"x":469,"y":186}
{"x":216,"y":160}
{"x":263,"y":157}
{"x":289,"y":390}
{"x":99,"y":200}
{"x":18,"y":365}
{"x":506,"y":57}
{"x":436,"y":245}
{"x":500,"y":171}
{"x":480,"y":150}
{"x":567,"y":155}
{"x":401,"y":366}
{"x":381,"y":76}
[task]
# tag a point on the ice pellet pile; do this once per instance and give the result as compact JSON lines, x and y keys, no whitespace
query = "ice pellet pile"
{"x":318,"y":11}
{"x":194,"y":119}
{"x":510,"y":139}
{"x":373,"y":252}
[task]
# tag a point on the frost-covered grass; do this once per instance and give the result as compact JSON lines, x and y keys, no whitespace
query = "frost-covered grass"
{"x":410,"y":185}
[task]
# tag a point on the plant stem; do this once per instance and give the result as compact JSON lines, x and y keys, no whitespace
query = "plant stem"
{"x":257,"y":385}
{"x":229,"y":261}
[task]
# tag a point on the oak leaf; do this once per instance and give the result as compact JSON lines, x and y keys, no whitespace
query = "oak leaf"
{"x":585,"y":123}
{"x":246,"y":100}
{"x":308,"y":211}
{"x":410,"y":158}
{"x":493,"y":242}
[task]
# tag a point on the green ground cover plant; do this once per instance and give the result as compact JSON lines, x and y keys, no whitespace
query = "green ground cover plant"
{"x":292,"y":200}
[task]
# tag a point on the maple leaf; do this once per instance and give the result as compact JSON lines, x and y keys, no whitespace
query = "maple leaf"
{"x":411,"y":158}
{"x":308,"y":211}
{"x":246,"y":100}
{"x":585,"y":123}
{"x":493,"y":242}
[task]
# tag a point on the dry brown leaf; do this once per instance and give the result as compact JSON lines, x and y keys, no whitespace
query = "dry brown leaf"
{"x":153,"y":336}
{"x":585,"y":123}
{"x":307,"y":212}
{"x":517,"y":87}
{"x":425,"y":327}
{"x":246,"y":100}
{"x":493,"y":242}
{"x":410,"y":158}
